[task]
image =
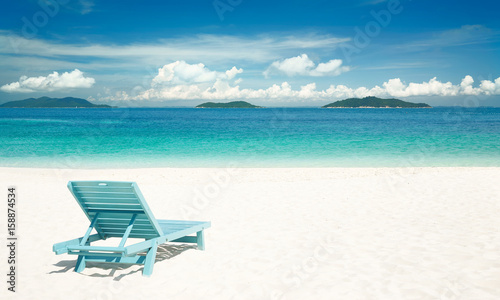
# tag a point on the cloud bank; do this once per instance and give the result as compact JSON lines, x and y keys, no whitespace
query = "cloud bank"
{"x":50,"y":83}
{"x":183,"y":81}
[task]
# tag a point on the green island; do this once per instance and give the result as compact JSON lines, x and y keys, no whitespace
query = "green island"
{"x":45,"y":102}
{"x":233,"y":104}
{"x":374,"y":102}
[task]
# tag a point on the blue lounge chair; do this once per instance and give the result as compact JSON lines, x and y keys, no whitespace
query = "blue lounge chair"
{"x":118,"y":210}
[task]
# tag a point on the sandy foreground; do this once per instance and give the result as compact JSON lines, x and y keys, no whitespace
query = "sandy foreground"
{"x":332,"y":233}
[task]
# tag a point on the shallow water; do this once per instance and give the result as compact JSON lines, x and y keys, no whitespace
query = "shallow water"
{"x":272,"y":137}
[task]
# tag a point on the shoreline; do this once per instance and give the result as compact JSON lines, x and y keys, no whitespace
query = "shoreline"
{"x":411,"y":161}
{"x":250,"y":168}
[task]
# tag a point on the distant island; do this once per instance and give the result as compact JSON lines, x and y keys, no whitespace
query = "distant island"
{"x":52,"y":103}
{"x":374,"y":102}
{"x":234,"y":104}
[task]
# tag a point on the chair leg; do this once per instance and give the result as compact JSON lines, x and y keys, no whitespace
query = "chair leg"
{"x":200,"y":240}
{"x":80,"y":263}
{"x":150,"y":261}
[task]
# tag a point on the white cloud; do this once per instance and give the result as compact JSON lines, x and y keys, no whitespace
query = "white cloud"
{"x":299,"y":65}
{"x":233,"y":72}
{"x":333,"y":67}
{"x":395,"y":87}
{"x":181,"y":72}
{"x":489,"y":87}
{"x":308,"y":91}
{"x":467,"y":88}
{"x":52,"y":82}
{"x":303,"y":65}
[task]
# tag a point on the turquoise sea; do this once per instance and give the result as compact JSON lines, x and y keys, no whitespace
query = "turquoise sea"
{"x":271,"y":137}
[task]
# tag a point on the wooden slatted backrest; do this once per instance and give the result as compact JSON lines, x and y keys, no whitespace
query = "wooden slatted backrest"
{"x":116,"y":202}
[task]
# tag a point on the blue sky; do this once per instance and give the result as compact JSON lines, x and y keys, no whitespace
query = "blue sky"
{"x":279,"y":53}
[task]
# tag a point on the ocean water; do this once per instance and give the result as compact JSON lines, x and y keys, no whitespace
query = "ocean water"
{"x":272,"y":137}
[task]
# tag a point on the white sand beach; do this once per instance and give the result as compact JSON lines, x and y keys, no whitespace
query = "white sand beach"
{"x":325,"y":233}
